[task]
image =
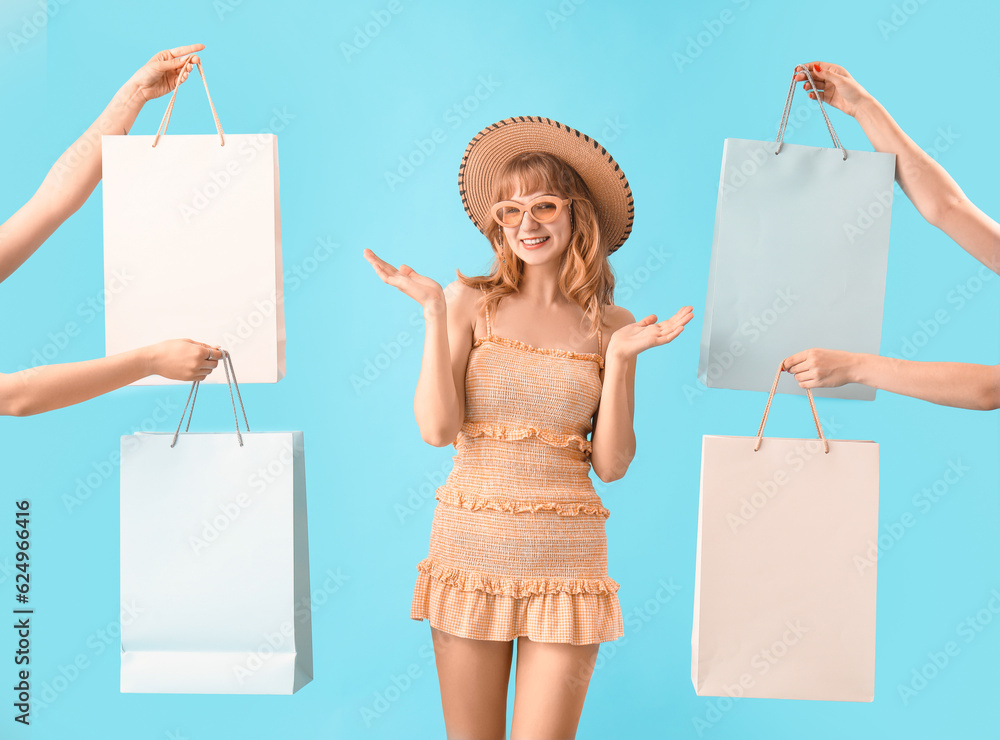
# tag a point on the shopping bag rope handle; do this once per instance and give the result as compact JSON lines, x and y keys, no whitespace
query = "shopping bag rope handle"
{"x":170,"y":106}
{"x":812,"y":405}
{"x":788,"y":108}
{"x":227,"y":364}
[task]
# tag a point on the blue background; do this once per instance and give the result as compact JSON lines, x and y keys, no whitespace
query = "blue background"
{"x":616,"y":72}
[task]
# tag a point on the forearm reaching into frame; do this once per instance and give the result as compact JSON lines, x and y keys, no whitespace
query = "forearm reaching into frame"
{"x":961,"y":384}
{"x":926,"y":183}
{"x":76,"y":173}
{"x":39,"y":389}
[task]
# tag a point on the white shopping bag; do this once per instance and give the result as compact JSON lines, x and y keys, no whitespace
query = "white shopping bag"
{"x":784,"y":604}
{"x":798,"y":259}
{"x":214,"y":563}
{"x":192,"y":246}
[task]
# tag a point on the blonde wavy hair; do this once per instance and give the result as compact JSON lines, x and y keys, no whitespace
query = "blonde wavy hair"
{"x":585,"y":275}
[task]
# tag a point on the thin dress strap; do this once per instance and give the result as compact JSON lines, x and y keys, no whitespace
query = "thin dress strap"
{"x":600,"y":342}
{"x":489,"y":330}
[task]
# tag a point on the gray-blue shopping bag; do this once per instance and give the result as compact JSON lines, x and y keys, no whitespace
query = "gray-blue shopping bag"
{"x":798,"y":259}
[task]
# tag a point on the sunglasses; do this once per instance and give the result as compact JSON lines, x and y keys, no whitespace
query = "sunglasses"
{"x":544,"y":210}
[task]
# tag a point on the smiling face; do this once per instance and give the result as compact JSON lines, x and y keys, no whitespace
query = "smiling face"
{"x":538,"y":243}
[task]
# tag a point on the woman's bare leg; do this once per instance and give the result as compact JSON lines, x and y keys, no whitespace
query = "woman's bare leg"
{"x":473,"y":675}
{"x":551,"y":683}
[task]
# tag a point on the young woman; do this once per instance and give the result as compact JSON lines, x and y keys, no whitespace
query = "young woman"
{"x":942,"y":203}
{"x":519,"y":367}
{"x":67,"y":186}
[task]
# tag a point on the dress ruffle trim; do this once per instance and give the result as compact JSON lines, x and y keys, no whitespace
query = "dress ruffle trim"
{"x":517,"y":344}
{"x":467,"y":580}
{"x":477,"y":503}
{"x":497,"y":431}
{"x":578,"y":619}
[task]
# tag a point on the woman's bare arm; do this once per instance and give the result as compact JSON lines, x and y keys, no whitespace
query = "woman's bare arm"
{"x":613,"y":439}
{"x":439,"y":401}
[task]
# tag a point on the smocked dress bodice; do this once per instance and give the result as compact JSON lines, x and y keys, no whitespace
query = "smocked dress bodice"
{"x":543,"y":399}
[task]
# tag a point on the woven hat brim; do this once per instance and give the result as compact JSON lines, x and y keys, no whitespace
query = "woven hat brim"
{"x":492,"y":147}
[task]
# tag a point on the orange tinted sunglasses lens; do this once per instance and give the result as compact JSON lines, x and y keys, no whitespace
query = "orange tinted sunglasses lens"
{"x":544,"y":210}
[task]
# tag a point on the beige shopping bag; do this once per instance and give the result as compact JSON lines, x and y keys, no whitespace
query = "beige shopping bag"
{"x":781,"y":609}
{"x":192,"y":245}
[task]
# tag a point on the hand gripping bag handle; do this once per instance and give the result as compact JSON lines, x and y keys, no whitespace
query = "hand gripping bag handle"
{"x":227,"y":364}
{"x":788,"y":108}
{"x":812,"y":405}
{"x":170,"y":107}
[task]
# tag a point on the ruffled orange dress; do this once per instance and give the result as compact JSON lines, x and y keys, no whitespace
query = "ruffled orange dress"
{"x":517,"y":544}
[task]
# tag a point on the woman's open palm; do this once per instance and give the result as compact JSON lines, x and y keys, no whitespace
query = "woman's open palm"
{"x":632,"y":339}
{"x":419,"y":287}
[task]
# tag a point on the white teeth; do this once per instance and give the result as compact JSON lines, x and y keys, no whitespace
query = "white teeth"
{"x":533,"y":242}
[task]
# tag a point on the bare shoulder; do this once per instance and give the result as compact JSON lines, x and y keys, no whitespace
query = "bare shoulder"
{"x":461,"y":300}
{"x":615,"y":317}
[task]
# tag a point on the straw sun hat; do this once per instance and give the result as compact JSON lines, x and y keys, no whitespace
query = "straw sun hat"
{"x":490,"y":149}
